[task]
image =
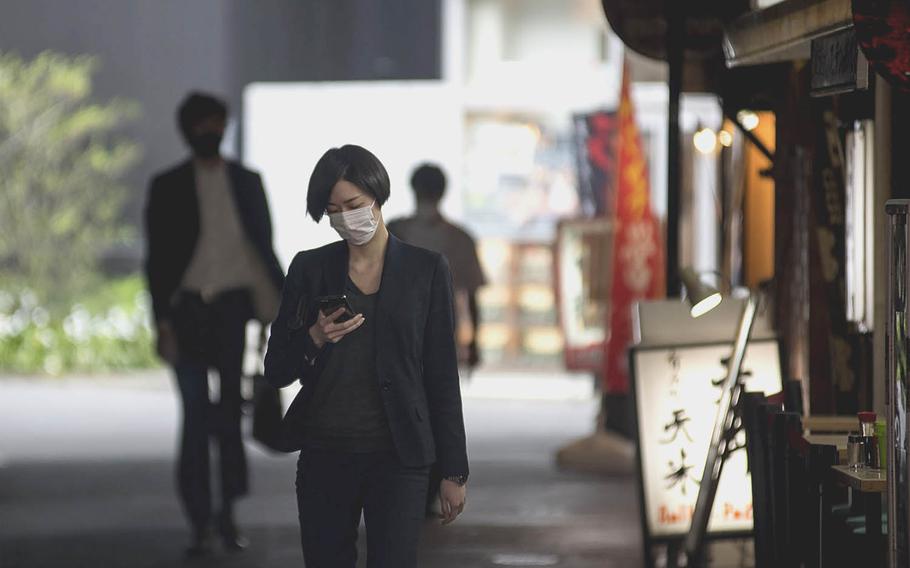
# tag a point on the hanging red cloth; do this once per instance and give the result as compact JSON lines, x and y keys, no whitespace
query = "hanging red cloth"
{"x":638,"y":249}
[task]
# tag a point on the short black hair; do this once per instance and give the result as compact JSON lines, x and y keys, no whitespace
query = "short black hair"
{"x":428,"y":182}
{"x":350,"y":163}
{"x":195,"y":108}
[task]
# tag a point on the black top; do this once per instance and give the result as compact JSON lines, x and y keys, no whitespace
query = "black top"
{"x":416,"y":363}
{"x":346,"y":411}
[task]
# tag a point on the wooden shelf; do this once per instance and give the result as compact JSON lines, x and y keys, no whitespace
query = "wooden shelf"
{"x":864,"y":480}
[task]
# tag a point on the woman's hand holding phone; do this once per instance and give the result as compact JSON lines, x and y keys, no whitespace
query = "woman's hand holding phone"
{"x":325,"y":330}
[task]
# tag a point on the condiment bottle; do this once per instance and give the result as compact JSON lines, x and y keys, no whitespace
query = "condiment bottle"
{"x":856,"y":456}
{"x":870,"y":442}
{"x":881,"y":435}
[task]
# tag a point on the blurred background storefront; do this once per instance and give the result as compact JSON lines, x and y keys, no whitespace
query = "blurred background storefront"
{"x":490,"y":89}
{"x":766,"y":130}
{"x":498,"y":92}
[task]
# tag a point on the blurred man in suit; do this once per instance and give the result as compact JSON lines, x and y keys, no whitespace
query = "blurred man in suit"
{"x":211,"y":268}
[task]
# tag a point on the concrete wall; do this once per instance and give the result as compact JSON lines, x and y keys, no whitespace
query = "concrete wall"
{"x":340,"y":40}
{"x":151,"y":52}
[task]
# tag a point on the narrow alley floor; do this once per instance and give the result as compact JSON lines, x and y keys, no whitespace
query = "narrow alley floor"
{"x":86,"y":480}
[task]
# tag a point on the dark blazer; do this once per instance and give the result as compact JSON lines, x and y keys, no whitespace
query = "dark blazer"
{"x":416,"y":360}
{"x":172,"y":228}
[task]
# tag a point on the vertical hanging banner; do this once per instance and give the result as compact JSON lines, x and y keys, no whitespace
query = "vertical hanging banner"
{"x":584,"y":246}
{"x":837,"y":346}
{"x":638,"y":250}
{"x":595,"y":151}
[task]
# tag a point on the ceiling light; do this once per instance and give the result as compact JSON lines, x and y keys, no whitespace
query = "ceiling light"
{"x":748,"y":119}
{"x":705,"y":140}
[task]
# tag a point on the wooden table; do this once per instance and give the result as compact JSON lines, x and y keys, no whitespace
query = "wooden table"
{"x":870,"y":484}
{"x":863,"y":480}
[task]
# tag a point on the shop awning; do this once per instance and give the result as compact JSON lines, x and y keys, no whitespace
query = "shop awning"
{"x":783,"y":32}
{"x":642,"y":25}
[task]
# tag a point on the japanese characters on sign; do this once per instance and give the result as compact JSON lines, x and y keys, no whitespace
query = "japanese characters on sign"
{"x":677,"y":390}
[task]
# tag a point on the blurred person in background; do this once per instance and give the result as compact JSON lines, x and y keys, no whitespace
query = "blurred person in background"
{"x":380,"y":399}
{"x":427,"y":228}
{"x":211,"y":268}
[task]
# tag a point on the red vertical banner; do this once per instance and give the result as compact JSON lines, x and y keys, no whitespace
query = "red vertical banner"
{"x":638,"y":249}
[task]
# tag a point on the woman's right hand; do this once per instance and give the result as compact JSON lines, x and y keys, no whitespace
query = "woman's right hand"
{"x":325,"y":330}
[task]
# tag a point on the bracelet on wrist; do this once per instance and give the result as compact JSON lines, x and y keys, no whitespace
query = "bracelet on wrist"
{"x":461,"y":480}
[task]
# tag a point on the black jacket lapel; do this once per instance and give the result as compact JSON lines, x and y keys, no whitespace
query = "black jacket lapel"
{"x":188,"y":197}
{"x":335,"y":269}
{"x":393,"y":285}
{"x":188,"y":190}
{"x":245,"y":210}
{"x":391,"y":297}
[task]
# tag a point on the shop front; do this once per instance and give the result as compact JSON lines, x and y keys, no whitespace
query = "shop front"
{"x":811,"y":98}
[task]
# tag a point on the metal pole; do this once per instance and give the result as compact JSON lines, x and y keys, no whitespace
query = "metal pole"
{"x":675,"y":47}
{"x":721,"y":437}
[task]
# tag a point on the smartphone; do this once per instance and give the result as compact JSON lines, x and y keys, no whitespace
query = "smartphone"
{"x":330,"y":304}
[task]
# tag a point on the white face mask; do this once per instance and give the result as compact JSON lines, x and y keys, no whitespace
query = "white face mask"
{"x":356,"y":226}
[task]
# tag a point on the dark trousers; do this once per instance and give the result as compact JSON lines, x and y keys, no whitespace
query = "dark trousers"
{"x":211,"y":335}
{"x":334,"y":489}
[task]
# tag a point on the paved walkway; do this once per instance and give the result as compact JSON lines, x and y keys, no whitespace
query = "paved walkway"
{"x":88,"y":482}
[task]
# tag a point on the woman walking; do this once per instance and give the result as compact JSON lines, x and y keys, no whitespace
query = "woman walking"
{"x":380,"y":400}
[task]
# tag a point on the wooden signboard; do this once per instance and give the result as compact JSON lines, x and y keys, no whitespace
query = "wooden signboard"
{"x":676,"y":390}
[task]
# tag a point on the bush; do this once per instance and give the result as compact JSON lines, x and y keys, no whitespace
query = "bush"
{"x":62,"y":196}
{"x":108,"y":331}
{"x":63,"y":161}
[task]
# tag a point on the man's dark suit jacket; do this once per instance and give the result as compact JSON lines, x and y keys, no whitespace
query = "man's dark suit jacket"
{"x":172,"y":228}
{"x":416,"y":361}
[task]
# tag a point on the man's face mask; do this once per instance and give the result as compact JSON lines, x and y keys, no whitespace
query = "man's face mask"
{"x":206,"y":144}
{"x":357,"y":226}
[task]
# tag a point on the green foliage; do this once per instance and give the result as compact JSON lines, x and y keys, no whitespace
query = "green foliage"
{"x":61,"y":196}
{"x":108,"y":331}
